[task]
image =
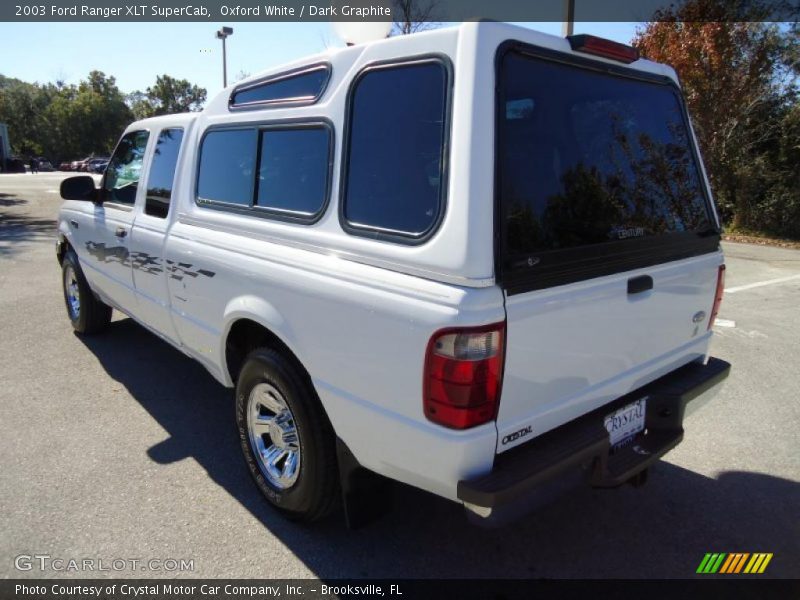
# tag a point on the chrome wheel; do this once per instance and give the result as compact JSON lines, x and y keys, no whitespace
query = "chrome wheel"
{"x":273,"y":436}
{"x":72,"y":292}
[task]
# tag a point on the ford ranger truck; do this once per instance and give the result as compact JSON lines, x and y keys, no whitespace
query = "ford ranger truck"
{"x":482,"y":261}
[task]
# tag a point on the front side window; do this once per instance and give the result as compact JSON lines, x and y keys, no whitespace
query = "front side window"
{"x":121,"y":180}
{"x":227,"y":166}
{"x":395,"y":161}
{"x":162,"y":172}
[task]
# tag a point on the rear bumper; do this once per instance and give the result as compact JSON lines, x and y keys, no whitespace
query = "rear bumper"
{"x":579,"y":451}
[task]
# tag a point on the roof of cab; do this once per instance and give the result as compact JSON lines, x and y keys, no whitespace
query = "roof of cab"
{"x":181,"y":119}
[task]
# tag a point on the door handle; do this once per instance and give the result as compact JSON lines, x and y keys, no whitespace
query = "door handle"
{"x":637,"y":285}
{"x":121,"y":232}
{"x":74,"y":223}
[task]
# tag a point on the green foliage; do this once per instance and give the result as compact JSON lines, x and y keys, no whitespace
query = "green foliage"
{"x":167,"y":96}
{"x":740,"y":82}
{"x":64,"y":122}
{"x":70,"y":122}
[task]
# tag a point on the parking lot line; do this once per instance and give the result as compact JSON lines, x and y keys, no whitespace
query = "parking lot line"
{"x":758,"y":284}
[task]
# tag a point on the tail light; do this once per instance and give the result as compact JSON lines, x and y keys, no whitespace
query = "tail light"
{"x":717,"y":295}
{"x":590,"y":44}
{"x":463,"y":375}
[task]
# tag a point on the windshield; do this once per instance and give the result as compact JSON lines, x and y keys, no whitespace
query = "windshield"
{"x":587,"y":157}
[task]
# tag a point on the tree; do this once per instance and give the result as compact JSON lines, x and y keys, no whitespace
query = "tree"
{"x":93,"y":116}
{"x":167,"y":96}
{"x":740,"y":83}
{"x":64,"y":121}
{"x":139,"y":104}
{"x":412,"y":16}
{"x":20,"y":104}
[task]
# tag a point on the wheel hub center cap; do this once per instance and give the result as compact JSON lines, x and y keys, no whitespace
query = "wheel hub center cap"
{"x":276,"y":435}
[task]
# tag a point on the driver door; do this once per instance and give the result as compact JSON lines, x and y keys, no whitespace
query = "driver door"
{"x":108,"y":245}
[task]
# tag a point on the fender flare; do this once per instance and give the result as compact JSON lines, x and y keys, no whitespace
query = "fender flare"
{"x":63,"y":239}
{"x":260,"y":311}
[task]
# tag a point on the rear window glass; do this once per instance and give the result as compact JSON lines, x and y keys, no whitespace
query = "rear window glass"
{"x":395,"y":165}
{"x":588,"y":158}
{"x":305,"y":86}
{"x":227,"y":166}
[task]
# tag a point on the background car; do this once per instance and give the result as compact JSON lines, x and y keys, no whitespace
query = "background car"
{"x":78,"y":165}
{"x":96,"y":165}
{"x":45,"y":164}
{"x":15,"y":165}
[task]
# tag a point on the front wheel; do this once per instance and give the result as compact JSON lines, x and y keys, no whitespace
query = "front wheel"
{"x":86,"y":313}
{"x":286,"y":438}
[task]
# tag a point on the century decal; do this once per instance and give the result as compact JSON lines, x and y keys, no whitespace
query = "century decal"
{"x":513,"y":437}
{"x":734,"y":563}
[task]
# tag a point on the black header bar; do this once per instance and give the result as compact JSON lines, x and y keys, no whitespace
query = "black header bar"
{"x":732,"y":587}
{"x":387,"y":10}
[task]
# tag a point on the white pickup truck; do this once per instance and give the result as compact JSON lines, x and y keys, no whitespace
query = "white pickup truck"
{"x":482,"y":261}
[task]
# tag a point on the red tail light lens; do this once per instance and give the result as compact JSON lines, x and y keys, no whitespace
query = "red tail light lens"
{"x":590,"y":44}
{"x":463,"y":375}
{"x":717,"y":295}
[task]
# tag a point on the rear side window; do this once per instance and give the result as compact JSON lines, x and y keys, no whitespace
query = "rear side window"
{"x":162,"y":172}
{"x":293,"y":170}
{"x":394,"y":173}
{"x":588,"y":158}
{"x":281,"y":171}
{"x":301,"y":88}
{"x":227,"y":166}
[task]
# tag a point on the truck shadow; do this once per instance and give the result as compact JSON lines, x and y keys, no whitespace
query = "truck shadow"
{"x":7,"y":199}
{"x":661,"y":530}
{"x":16,"y":226}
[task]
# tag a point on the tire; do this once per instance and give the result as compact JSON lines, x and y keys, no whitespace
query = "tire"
{"x":287,"y":440}
{"x":86,"y":313}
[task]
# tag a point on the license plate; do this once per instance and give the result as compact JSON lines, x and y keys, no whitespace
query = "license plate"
{"x":626,"y":422}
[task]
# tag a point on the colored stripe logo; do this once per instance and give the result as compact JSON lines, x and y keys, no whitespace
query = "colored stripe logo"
{"x":734,"y":563}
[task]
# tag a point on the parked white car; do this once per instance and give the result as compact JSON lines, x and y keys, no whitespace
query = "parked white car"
{"x":482,"y":261}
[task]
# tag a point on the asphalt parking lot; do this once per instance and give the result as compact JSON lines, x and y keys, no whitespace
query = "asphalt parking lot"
{"x":118,"y":446}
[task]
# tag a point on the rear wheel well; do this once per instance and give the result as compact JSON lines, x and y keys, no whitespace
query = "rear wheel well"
{"x":245,"y":336}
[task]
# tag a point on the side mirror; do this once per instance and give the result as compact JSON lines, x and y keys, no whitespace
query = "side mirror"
{"x":79,"y":188}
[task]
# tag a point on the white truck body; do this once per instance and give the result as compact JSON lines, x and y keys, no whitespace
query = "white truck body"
{"x":358,"y":312}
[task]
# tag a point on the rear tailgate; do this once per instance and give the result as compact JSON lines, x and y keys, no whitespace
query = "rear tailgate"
{"x":608,"y":249}
{"x":574,"y":348}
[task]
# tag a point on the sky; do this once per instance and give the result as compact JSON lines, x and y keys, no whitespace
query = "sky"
{"x":136,"y":52}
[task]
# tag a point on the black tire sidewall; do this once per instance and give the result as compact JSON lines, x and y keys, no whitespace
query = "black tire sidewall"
{"x":267,"y":366}
{"x":84,"y":293}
